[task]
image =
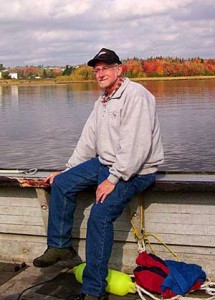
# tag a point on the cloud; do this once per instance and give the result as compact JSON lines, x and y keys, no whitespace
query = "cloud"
{"x":55,"y":32}
{"x":56,"y":9}
{"x":141,"y":9}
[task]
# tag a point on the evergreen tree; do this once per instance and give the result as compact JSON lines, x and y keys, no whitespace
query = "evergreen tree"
{"x":67,"y":71}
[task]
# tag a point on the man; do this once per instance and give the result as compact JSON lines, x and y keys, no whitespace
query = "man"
{"x":119,"y":151}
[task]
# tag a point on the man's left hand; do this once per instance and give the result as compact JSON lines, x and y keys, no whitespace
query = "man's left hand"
{"x":104,"y":189}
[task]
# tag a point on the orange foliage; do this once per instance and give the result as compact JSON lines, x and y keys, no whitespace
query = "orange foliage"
{"x":158,"y":67}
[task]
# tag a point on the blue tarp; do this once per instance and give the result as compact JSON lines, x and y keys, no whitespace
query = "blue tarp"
{"x":182,"y":277}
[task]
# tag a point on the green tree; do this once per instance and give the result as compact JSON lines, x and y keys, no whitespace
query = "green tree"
{"x":5,"y":75}
{"x":68,"y":71}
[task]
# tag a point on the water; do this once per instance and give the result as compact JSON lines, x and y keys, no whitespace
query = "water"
{"x":40,"y":124}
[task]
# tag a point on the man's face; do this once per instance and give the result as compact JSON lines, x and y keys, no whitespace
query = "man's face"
{"x":107,"y":75}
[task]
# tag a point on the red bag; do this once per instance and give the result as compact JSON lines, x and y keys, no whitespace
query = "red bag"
{"x":151,"y":272}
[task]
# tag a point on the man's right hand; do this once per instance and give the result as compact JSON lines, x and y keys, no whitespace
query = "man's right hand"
{"x":50,"y":178}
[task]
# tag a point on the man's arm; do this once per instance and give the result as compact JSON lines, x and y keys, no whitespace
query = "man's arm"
{"x":86,"y":146}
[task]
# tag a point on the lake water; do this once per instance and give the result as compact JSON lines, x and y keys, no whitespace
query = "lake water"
{"x":40,"y":124}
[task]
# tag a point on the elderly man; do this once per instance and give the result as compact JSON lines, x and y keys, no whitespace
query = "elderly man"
{"x":119,"y":151}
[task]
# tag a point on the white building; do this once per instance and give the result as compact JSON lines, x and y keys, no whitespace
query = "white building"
{"x":13,"y":75}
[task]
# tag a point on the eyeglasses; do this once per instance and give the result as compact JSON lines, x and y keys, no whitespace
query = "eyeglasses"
{"x":104,"y":69}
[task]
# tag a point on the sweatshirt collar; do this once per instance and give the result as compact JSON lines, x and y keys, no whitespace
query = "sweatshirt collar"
{"x":107,"y":96}
{"x":117,"y":92}
{"x":121,"y":89}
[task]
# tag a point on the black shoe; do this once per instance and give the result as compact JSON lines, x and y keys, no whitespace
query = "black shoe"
{"x":88,"y":297}
{"x":53,"y":255}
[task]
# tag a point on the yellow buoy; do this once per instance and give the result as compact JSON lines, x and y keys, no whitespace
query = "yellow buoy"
{"x":119,"y":283}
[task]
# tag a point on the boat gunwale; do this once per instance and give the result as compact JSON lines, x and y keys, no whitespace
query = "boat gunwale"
{"x":165,"y":180}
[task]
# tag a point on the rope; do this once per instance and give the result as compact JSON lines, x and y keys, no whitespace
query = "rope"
{"x":211,"y":291}
{"x":147,"y":234}
{"x":209,"y":288}
{"x":141,"y":290}
{"x":142,"y":236}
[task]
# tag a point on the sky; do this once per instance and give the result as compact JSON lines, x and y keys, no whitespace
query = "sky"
{"x":61,"y":32}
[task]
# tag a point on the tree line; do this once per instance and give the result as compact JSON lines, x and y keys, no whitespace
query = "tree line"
{"x":132,"y":68}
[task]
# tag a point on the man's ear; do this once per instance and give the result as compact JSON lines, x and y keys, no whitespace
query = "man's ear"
{"x":119,"y":69}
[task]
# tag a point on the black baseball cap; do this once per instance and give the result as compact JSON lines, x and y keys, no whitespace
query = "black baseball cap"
{"x":105,"y":55}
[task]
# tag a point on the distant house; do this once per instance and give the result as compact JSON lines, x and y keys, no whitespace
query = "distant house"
{"x":13,"y":75}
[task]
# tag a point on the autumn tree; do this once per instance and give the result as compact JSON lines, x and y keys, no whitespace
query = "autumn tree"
{"x":82,"y":72}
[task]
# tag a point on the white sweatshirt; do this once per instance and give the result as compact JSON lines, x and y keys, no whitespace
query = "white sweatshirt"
{"x":124,"y":133}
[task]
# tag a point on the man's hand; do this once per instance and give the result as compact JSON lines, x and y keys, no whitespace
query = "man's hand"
{"x":51,"y":177}
{"x":104,"y":189}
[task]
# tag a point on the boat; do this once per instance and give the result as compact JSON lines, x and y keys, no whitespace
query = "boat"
{"x":174,"y":218}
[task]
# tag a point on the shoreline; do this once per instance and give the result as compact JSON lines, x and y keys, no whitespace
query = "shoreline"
{"x":9,"y":82}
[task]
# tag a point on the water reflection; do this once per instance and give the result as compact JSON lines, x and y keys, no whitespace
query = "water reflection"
{"x":40,"y":125}
{"x":186,"y":112}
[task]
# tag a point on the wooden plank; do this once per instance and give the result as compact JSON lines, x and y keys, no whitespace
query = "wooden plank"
{"x":17,"y":192}
{"x":23,"y":229}
{"x":185,"y":240}
{"x":180,"y":197}
{"x":21,"y":220}
{"x":181,"y":208}
{"x":14,"y":202}
{"x":180,"y":229}
{"x":178,"y":218}
{"x":19,"y":211}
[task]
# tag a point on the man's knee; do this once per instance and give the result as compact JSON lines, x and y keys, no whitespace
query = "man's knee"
{"x":64,"y":181}
{"x":58,"y":179}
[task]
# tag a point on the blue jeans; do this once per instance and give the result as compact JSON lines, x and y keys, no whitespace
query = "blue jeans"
{"x":100,"y":231}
